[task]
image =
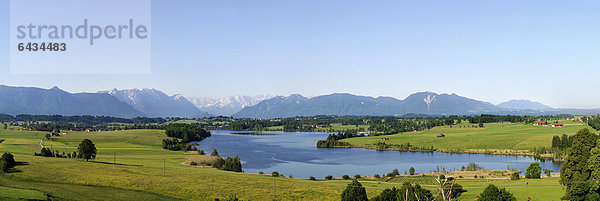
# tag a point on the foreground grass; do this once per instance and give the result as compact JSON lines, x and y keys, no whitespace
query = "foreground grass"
{"x":8,"y":193}
{"x":494,"y":136}
{"x":144,"y":171}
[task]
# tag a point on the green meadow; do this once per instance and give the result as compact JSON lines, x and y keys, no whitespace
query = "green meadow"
{"x":497,"y":136}
{"x":131,"y":165}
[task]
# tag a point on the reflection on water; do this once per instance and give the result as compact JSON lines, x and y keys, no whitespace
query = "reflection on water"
{"x":296,"y":153}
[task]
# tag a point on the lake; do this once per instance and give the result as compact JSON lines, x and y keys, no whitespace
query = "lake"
{"x":296,"y":153}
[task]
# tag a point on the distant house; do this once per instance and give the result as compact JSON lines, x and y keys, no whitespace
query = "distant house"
{"x":88,"y":130}
{"x":63,"y":132}
{"x":385,"y":138}
{"x":540,"y":123}
{"x":557,"y":125}
{"x":441,"y":135}
{"x":320,"y":126}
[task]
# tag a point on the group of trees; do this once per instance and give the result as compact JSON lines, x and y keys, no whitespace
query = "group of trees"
{"x":580,"y":172}
{"x":562,"y":143}
{"x":332,"y":141}
{"x":593,"y":121}
{"x":6,"y":162}
{"x":229,"y":164}
{"x":46,"y":152}
{"x":448,"y":190}
{"x":86,"y":150}
{"x":183,"y":134}
{"x":186,"y":132}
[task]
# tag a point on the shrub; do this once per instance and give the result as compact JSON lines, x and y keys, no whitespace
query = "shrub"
{"x":345,"y":177}
{"x":356,"y":176}
{"x":548,"y":172}
{"x":328,"y":177}
{"x":354,"y":192}
{"x":4,"y":166}
{"x":377,"y":176}
{"x":218,"y":163}
{"x":261,"y":172}
{"x":515,"y":175}
{"x":275,"y":174}
{"x":475,"y":176}
{"x":201,"y":152}
{"x":291,"y":176}
{"x":193,"y":163}
{"x":534,"y":171}
{"x":494,"y":193}
{"x":312,"y":178}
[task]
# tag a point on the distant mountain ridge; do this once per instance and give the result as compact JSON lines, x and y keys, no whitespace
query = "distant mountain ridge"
{"x":30,"y":100}
{"x":155,"y":103}
{"x":228,"y":105}
{"x":521,"y":104}
{"x":423,"y":103}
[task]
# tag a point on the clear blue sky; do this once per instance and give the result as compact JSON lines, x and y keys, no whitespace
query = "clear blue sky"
{"x":547,"y":51}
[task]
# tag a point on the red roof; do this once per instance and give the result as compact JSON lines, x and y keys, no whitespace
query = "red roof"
{"x":557,"y":124}
{"x":540,"y":122}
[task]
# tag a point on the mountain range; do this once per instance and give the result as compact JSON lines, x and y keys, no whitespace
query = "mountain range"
{"x":154,"y":103}
{"x":228,"y":105}
{"x":425,"y":103}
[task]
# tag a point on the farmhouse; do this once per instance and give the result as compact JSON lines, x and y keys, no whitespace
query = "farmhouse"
{"x":63,"y":132}
{"x":557,"y":125}
{"x":540,"y":123}
{"x":441,"y":135}
{"x":385,"y":138}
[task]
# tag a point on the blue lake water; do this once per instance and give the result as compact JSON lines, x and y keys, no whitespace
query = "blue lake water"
{"x":296,"y":153}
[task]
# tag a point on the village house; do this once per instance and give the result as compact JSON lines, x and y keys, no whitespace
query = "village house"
{"x":385,"y":138}
{"x":63,"y":132}
{"x":441,"y":135}
{"x":557,"y":125}
{"x":540,"y":123}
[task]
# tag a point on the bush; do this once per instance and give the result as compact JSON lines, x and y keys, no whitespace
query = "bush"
{"x":201,"y":152}
{"x":328,"y":177}
{"x":377,"y":176}
{"x":261,"y":172}
{"x":193,"y":163}
{"x":411,"y":171}
{"x":494,"y":193}
{"x":291,"y":176}
{"x":548,"y":172}
{"x":345,"y":177}
{"x":534,"y":171}
{"x":312,"y":178}
{"x":356,"y":176}
{"x":354,"y":192}
{"x":275,"y":174}
{"x":515,"y":176}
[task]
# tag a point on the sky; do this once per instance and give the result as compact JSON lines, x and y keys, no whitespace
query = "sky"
{"x":494,"y":51}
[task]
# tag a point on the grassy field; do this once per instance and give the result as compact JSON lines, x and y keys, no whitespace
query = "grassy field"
{"x":499,"y":136}
{"x":144,"y":171}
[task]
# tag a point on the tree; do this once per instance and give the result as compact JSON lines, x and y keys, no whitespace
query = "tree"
{"x":9,"y":159}
{"x":480,"y":124}
{"x":5,"y":126}
{"x":214,"y":152}
{"x":411,"y":171}
{"x":48,"y":136}
{"x":534,"y":171}
{"x":4,"y":166}
{"x":493,"y":193}
{"x":354,"y":192}
{"x":575,"y":172}
{"x":453,"y":190}
{"x":87,"y":150}
{"x":565,"y":141}
{"x":556,"y":142}
{"x":275,"y":174}
{"x":515,"y":175}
